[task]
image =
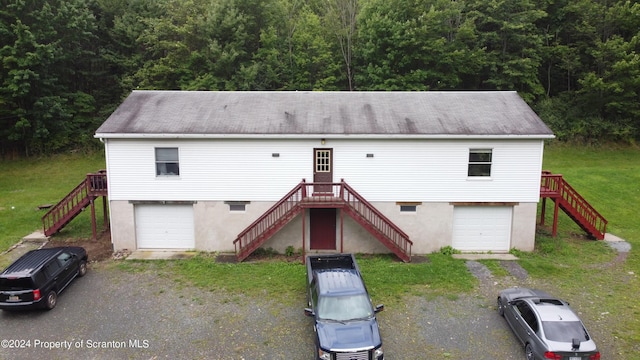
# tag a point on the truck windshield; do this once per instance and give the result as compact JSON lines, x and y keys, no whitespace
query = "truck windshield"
{"x":344,"y":308}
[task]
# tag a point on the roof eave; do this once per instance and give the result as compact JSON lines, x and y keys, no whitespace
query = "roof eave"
{"x":324,"y":136}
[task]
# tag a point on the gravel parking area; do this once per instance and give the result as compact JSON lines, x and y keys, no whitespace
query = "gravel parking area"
{"x":113,"y":314}
{"x":110,"y":314}
{"x":116,"y":314}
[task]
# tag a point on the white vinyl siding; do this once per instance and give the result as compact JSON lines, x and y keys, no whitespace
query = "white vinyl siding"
{"x":482,"y":228}
{"x":164,"y":226}
{"x":437,"y":171}
{"x":396,"y":170}
{"x":221,"y":170}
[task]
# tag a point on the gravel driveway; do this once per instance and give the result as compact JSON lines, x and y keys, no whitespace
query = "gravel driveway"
{"x":113,"y":314}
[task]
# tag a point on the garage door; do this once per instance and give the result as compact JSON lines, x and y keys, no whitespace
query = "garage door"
{"x":482,"y":228}
{"x":164,"y":226}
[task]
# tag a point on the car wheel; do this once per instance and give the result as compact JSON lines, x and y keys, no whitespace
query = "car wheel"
{"x":82,"y":268}
{"x":528,"y":352}
{"x":500,"y":307}
{"x":51,"y":300}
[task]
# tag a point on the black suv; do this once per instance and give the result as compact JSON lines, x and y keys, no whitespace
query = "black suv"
{"x":36,"y":278}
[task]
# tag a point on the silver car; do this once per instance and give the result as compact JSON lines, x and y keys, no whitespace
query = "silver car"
{"x":546,"y":326}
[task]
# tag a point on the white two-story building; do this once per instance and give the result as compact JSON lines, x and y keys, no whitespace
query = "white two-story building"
{"x":324,"y":171}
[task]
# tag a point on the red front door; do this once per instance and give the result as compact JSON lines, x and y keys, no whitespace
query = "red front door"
{"x":322,"y":229}
{"x":323,"y":170}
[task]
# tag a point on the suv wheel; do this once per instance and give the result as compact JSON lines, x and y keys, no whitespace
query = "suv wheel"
{"x":82,"y":268}
{"x":51,"y":300}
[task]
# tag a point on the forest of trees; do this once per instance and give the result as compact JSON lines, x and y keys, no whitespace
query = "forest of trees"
{"x":66,"y":64}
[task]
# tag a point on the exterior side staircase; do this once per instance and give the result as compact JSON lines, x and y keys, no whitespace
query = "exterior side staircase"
{"x":333,"y":195}
{"x":567,"y":199}
{"x":274,"y":219}
{"x":83,"y":195}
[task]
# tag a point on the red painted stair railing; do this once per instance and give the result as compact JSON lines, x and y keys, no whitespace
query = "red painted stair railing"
{"x":333,"y":195}
{"x":376,"y":223}
{"x":93,"y":186}
{"x":274,"y":219}
{"x":575,"y":206}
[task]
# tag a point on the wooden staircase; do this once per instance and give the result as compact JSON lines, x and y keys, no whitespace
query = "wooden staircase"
{"x":83,"y":195}
{"x":332,"y":195}
{"x":269,"y":223}
{"x":567,"y":199}
{"x":376,"y":223}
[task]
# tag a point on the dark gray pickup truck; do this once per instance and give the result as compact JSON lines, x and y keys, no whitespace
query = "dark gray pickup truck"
{"x":345,"y":321}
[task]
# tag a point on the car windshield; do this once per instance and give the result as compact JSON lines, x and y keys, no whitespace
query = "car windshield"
{"x":343,"y":308}
{"x":564,"y":331}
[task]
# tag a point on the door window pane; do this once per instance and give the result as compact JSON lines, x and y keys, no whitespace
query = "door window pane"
{"x":323,"y":161}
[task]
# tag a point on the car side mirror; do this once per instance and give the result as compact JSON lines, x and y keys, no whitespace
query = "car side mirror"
{"x":309,"y":312}
{"x":379,"y":308}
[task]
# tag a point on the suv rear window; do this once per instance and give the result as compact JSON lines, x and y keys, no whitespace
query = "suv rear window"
{"x":16,"y":284}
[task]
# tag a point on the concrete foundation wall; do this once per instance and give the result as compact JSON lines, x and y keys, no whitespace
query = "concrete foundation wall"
{"x":216,"y":227}
{"x":123,"y":225}
{"x":523,"y":230}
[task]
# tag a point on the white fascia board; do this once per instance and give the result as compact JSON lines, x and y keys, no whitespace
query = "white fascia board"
{"x":319,"y":136}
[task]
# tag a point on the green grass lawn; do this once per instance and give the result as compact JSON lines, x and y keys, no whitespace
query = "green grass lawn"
{"x":609,"y":179}
{"x":571,"y":266}
{"x":28,"y":183}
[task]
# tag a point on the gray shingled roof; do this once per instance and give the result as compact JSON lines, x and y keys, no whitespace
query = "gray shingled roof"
{"x":303,"y":113}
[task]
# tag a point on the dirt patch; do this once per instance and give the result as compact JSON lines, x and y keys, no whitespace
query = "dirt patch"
{"x":227,"y":258}
{"x":419,"y":259}
{"x":478,"y":270}
{"x":98,"y":250}
{"x":261,"y":255}
{"x":515,"y":270}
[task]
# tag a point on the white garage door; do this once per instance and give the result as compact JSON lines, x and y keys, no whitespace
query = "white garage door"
{"x":482,"y":228}
{"x":164,"y":226}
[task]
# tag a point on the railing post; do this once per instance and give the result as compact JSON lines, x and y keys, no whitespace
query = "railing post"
{"x":94,"y":232}
{"x":304,"y":238}
{"x":341,"y":229}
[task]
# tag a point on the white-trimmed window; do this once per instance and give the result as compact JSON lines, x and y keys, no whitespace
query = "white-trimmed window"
{"x":167,"y":163}
{"x":480,"y":162}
